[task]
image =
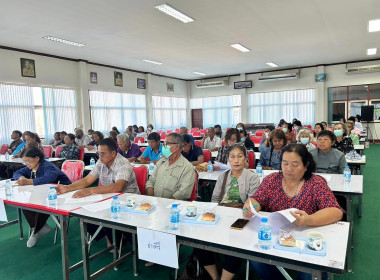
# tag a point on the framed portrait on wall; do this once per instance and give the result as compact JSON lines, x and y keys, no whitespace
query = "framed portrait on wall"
{"x":170,"y":87}
{"x":321,"y":78}
{"x":118,"y":79}
{"x":141,"y":83}
{"x":94,"y":77}
{"x":28,"y":68}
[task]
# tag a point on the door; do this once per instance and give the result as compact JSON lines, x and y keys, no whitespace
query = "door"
{"x":197,"y":118}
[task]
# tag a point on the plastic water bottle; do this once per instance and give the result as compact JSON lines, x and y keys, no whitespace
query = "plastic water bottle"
{"x":115,"y":208}
{"x":139,"y":142}
{"x":151,"y":168}
{"x":6,"y":156}
{"x":8,"y":189}
{"x":174,"y":217}
{"x":52,"y":197}
{"x":210,"y":168}
{"x":259,"y":171}
{"x":92,"y":162}
{"x":347,"y":175}
{"x":265,"y":234}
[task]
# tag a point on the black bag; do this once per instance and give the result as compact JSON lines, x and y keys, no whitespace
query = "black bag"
{"x":190,"y":270}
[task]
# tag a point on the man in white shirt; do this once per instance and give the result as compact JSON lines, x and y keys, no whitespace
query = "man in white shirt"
{"x":81,"y":139}
{"x":210,"y":141}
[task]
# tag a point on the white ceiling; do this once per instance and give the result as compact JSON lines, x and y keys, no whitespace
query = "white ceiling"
{"x":121,"y":33}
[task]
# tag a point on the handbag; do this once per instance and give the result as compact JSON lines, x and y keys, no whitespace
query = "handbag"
{"x":233,"y":205}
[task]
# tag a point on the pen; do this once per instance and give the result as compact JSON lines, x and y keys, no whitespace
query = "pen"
{"x":245,"y":208}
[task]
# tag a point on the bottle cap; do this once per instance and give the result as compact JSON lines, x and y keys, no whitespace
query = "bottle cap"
{"x":174,"y":205}
{"x":115,"y":197}
{"x":51,"y":187}
{"x":347,"y":167}
{"x":7,"y":181}
{"x":264,"y":219}
{"x":209,"y":161}
{"x":259,"y":164}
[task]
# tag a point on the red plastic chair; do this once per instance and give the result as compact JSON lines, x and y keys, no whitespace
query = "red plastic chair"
{"x":197,"y":134}
{"x":4,"y":148}
{"x":223,"y":143}
{"x":193,"y":195}
{"x":259,"y":133}
{"x":255,"y":139}
{"x":177,"y":130}
{"x":73,"y":169}
{"x":308,"y":126}
{"x":81,"y":153}
{"x":142,"y":140}
{"x":251,"y":159}
{"x":203,"y":131}
{"x":142,"y":149}
{"x":163,"y":136}
{"x":141,"y":173}
{"x":194,"y":129}
{"x":315,"y":144}
{"x":159,"y":131}
{"x":198,"y":143}
{"x":48,"y":151}
{"x":207,"y":155}
{"x":58,"y":151}
{"x":168,"y":131}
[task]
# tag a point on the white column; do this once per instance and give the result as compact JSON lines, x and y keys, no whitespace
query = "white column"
{"x":83,"y":98}
{"x":188,"y":108}
{"x":244,"y":101}
{"x":148,"y":99}
{"x":321,"y":99}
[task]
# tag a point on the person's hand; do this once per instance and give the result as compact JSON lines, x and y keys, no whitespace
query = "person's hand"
{"x":205,"y":135}
{"x":267,"y":168}
{"x":247,"y":210}
{"x":9,"y":151}
{"x":82,"y":193}
{"x":302,"y":218}
{"x":22,"y":181}
{"x":216,"y":168}
{"x":61,"y":189}
{"x":89,"y":147}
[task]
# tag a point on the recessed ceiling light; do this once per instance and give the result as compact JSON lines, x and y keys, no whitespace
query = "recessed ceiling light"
{"x":374,"y":25}
{"x":371,"y":51}
{"x":271,"y":64}
{"x":151,"y":61}
{"x":240,"y":47}
{"x":170,"y":11}
{"x":63,"y":41}
{"x":199,"y":73}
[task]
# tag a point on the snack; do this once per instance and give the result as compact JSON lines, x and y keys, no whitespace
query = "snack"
{"x":208,"y":217}
{"x":201,"y":167}
{"x":145,"y":206}
{"x":287,"y":239}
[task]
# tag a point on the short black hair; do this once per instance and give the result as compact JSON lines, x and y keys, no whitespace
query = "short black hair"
{"x":110,"y":143}
{"x":270,"y":127}
{"x":359,"y":117}
{"x":33,"y":136}
{"x":18,"y":132}
{"x":100,"y":135}
{"x":237,"y":146}
{"x":217,"y":126}
{"x":186,"y":138}
{"x":306,"y":157}
{"x":231,"y":132}
{"x":33,"y":152}
{"x":141,"y":128}
{"x":154,"y":136}
{"x":244,"y":132}
{"x":297,"y":123}
{"x":352,"y":118}
{"x":329,"y":134}
{"x":72,"y":137}
{"x":290,"y":126}
{"x":64,"y":132}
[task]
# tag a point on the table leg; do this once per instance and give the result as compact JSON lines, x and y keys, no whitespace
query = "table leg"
{"x":64,"y":247}
{"x":316,"y":275}
{"x":135,"y":258}
{"x":360,"y":201}
{"x":350,"y":233}
{"x":85,"y":253}
{"x":114,"y":246}
{"x":19,"y":217}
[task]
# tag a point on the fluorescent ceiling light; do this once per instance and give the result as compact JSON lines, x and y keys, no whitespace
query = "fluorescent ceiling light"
{"x":374,"y":25}
{"x":271,"y":64}
{"x":199,"y":73}
{"x":170,"y":11}
{"x":63,"y":41}
{"x":151,"y":61}
{"x":371,"y":51}
{"x":240,"y":47}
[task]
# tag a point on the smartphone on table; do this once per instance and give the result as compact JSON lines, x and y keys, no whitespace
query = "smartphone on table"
{"x":239,"y":224}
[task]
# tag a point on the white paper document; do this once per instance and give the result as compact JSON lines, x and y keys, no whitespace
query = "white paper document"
{"x":157,"y":247}
{"x":66,"y":195}
{"x":282,"y":219}
{"x":253,"y":210}
{"x":222,"y":166}
{"x":90,"y":198}
{"x":99,"y":206}
{"x":3,"y":214}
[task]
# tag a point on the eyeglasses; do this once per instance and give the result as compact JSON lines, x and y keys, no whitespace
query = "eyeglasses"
{"x":169,"y":143}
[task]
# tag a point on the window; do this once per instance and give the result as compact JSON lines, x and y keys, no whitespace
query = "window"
{"x":168,"y":112}
{"x":110,"y":109}
{"x":376,"y":111}
{"x":41,"y":110}
{"x":222,"y":110}
{"x":270,"y":107}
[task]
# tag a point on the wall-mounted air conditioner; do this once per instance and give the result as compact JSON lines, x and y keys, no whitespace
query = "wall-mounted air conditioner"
{"x":278,"y":77}
{"x":221,"y":83}
{"x":362,"y":69}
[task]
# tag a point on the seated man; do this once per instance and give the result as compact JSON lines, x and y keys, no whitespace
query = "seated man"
{"x":127,"y":148}
{"x":81,"y":139}
{"x":210,"y":141}
{"x":17,"y":141}
{"x":183,"y":131}
{"x":129,"y":132}
{"x":219,"y":131}
{"x":192,"y":153}
{"x":173,"y":176}
{"x":153,"y":151}
{"x":115,"y":175}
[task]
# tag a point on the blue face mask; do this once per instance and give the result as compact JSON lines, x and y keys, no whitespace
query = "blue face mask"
{"x":242,"y":139}
{"x":338,"y":132}
{"x":166,"y":151}
{"x":304,"y":140}
{"x":285,"y":130}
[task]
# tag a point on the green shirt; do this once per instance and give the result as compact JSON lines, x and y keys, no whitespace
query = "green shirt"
{"x":233,"y":194}
{"x":355,"y":139}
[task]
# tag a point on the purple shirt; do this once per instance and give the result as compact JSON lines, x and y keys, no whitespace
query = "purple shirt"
{"x":133,"y":152}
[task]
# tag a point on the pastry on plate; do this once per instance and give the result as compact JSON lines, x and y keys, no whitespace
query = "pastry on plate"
{"x":145,"y":206}
{"x":208,"y":217}
{"x":287,"y":239}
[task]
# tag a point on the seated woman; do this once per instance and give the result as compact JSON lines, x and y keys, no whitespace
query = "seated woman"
{"x":70,"y":149}
{"x":32,"y":140}
{"x":295,"y":187}
{"x":318,"y":127}
{"x":115,"y":129}
{"x":270,"y":156}
{"x":97,"y":136}
{"x":244,"y":137}
{"x":328,"y":160}
{"x":290,"y":136}
{"x":305,"y":137}
{"x":57,"y":140}
{"x":240,"y":126}
{"x":113,"y":135}
{"x":149,"y":129}
{"x":141,"y":132}
{"x":38,"y":171}
{"x":343,"y":143}
{"x":354,"y":137}
{"x":232,"y":188}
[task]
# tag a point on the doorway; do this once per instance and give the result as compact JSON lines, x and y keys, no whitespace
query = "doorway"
{"x":197,"y":118}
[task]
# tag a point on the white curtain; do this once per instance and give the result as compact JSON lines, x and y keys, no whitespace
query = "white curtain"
{"x":270,"y":107}
{"x":110,"y":109}
{"x":169,"y":112}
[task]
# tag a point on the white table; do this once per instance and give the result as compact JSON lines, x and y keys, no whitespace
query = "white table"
{"x":142,"y":144}
{"x":220,"y":238}
{"x":359,"y":147}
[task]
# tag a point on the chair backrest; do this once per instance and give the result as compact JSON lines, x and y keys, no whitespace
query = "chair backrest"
{"x":177,"y":130}
{"x":141,"y":173}
{"x":168,"y":131}
{"x":4,"y":148}
{"x":198,"y":143}
{"x":259,"y":132}
{"x":207,"y":155}
{"x":251,"y":159}
{"x":58,"y":151}
{"x":159,"y":131}
{"x":81,"y":153}
{"x":195,"y":189}
{"x":223,"y":143}
{"x":73,"y":169}
{"x":142,"y":140}
{"x":315,"y":144}
{"x":255,"y":139}
{"x":163,"y":136}
{"x":48,"y":151}
{"x":196,"y":133}
{"x":203,"y":131}
{"x":142,"y":149}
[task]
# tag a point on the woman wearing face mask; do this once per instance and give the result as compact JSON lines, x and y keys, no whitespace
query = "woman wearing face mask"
{"x":149,"y":129}
{"x":305,"y":137}
{"x":343,"y":142}
{"x":297,"y":125}
{"x":244,"y":138}
{"x":290,"y":136}
{"x":318,"y":127}
{"x":270,"y":156}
